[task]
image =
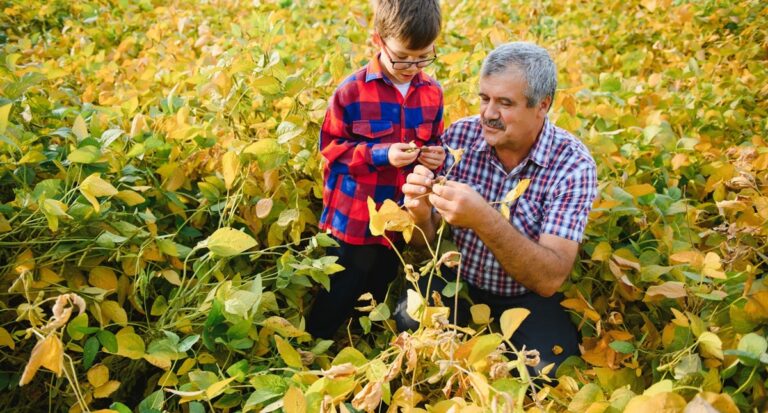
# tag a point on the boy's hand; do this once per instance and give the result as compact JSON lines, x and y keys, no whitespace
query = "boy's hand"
{"x":401,"y":154}
{"x":432,"y":156}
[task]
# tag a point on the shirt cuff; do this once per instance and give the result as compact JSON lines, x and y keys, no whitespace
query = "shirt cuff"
{"x":380,"y":154}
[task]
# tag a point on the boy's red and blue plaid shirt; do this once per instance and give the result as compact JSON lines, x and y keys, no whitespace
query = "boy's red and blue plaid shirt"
{"x":365,"y":116}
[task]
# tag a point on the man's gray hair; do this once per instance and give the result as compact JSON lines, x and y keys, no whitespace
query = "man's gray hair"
{"x":532,"y":61}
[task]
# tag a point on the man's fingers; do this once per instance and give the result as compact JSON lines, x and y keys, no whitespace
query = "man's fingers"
{"x":416,"y":190}
{"x":438,"y":202}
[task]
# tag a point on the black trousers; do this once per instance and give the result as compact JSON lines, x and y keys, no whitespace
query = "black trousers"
{"x":367,"y":268}
{"x":548,"y":325}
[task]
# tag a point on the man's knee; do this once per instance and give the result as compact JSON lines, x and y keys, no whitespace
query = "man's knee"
{"x":403,"y":320}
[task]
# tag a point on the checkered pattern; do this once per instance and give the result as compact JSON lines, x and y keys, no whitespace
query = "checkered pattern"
{"x":558,"y":200}
{"x":365,"y":116}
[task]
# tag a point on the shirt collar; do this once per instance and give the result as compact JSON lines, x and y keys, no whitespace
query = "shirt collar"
{"x":539,"y":152}
{"x":374,"y":71}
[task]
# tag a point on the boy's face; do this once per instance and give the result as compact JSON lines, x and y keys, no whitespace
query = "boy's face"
{"x":395,"y":50}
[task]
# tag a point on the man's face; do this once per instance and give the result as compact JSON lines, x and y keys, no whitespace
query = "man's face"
{"x":508,"y":123}
{"x":396,"y":50}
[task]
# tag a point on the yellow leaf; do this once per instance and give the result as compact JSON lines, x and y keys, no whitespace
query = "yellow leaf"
{"x":217,"y":388}
{"x":103,"y":277}
{"x":457,"y":154}
{"x":294,"y":401}
{"x":756,"y":308}
{"x":98,"y":375}
{"x":106,"y":389}
{"x":670,"y":289}
{"x":6,"y":339}
{"x":602,"y":252}
{"x":168,"y":379}
{"x":414,"y":304}
{"x":481,"y":313}
{"x":680,"y":318}
{"x":5,"y":226}
{"x":283,"y":327}
{"x":138,"y":125}
{"x":230,"y":166}
{"x":511,"y":320}
{"x":289,"y":355}
{"x":263,"y":207}
{"x":171,"y":276}
{"x":24,"y":262}
{"x":93,"y":186}
{"x":713,"y":267}
{"x":710,"y":345}
{"x":390,"y":217}
{"x":79,"y":128}
{"x":227,"y":242}
{"x":480,"y":385}
{"x":48,"y":353}
{"x":483,"y":346}
{"x":504,"y":209}
{"x":694,"y":258}
{"x":679,"y":160}
{"x":5,"y":110}
{"x":129,"y":344}
{"x":639,"y":190}
{"x":660,"y":402}
{"x":517,"y":191}
{"x":131,"y":198}
{"x":113,"y":311}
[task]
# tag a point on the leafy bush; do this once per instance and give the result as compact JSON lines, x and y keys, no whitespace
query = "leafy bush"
{"x":159,"y":190}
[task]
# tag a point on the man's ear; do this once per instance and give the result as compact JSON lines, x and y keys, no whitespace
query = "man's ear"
{"x":544,"y":105}
{"x":376,"y":39}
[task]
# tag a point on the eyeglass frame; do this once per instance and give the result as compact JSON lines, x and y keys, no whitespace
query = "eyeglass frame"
{"x":409,"y":63}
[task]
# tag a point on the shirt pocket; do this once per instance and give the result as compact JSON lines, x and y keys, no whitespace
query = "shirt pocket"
{"x":528,"y":217}
{"x":372,"y":129}
{"x":424,"y":131}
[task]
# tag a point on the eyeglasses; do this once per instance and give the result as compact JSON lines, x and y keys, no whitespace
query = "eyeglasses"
{"x":405,"y":64}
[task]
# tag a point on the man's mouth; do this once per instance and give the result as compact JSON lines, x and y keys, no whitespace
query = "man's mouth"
{"x":494,"y":124}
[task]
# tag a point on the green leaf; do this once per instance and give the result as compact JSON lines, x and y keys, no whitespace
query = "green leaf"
{"x":90,"y":349}
{"x":76,"y":326}
{"x":623,"y":347}
{"x":153,"y":402}
{"x":108,"y":340}
{"x":228,"y":242}
{"x":380,"y":313}
{"x":5,"y":110}
{"x":121,"y":408}
{"x":87,"y":155}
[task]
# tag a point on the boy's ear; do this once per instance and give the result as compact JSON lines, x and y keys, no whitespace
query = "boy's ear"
{"x":376,"y":38}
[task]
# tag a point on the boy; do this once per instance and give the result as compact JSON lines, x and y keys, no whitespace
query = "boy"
{"x":381,"y":121}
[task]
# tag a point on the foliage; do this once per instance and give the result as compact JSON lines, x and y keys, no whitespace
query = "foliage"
{"x":159,"y":190}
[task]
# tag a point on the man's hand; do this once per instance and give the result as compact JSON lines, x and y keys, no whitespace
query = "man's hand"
{"x":401,"y":154}
{"x":432,"y":156}
{"x":417,"y":185}
{"x":460,"y":204}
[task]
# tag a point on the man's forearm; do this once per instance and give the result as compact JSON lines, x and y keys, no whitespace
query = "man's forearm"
{"x":537,"y":267}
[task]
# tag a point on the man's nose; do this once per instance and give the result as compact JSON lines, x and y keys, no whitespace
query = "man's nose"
{"x":490,"y":111}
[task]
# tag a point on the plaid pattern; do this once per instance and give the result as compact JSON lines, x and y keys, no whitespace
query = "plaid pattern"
{"x":558,"y":200}
{"x":365,"y":116}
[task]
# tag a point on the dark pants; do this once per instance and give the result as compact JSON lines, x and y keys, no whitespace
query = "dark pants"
{"x":548,"y":325}
{"x":367,"y":268}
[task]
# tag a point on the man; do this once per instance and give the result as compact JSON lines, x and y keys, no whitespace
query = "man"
{"x":524,"y":260}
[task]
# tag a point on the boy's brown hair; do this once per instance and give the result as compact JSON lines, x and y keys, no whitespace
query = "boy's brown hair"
{"x":416,"y":23}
